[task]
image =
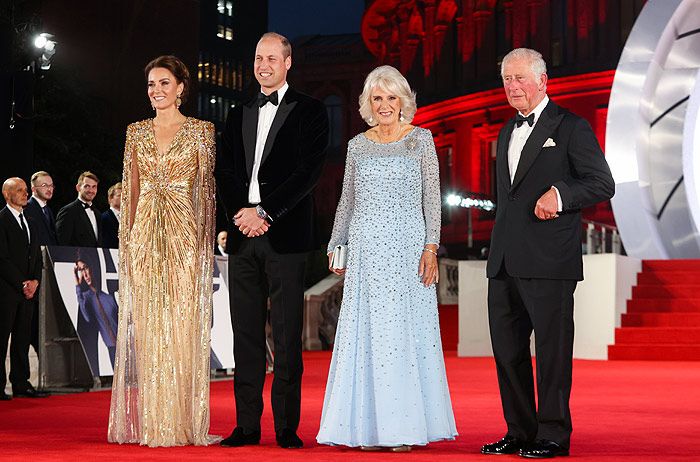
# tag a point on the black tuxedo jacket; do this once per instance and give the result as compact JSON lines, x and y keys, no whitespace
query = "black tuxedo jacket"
{"x":19,"y":261}
{"x":110,"y":230}
{"x":549,"y":249}
{"x":291,"y":164}
{"x":73,"y":227}
{"x":44,"y":228}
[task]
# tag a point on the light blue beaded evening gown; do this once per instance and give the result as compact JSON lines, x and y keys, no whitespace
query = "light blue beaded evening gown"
{"x":387,"y":384}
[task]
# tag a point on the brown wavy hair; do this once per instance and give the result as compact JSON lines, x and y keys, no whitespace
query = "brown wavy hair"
{"x":176,"y":67}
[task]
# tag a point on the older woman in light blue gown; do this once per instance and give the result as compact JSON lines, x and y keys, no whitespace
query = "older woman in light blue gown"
{"x":387,"y":386}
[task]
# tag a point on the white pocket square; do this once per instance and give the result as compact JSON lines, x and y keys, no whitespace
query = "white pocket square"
{"x":549,"y":143}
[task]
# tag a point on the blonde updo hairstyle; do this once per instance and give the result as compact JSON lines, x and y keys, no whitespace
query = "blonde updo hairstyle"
{"x":389,"y":79}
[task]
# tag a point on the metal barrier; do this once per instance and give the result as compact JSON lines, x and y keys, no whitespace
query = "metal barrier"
{"x":601,"y":238}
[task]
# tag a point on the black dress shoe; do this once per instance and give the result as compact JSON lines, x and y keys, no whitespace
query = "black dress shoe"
{"x":543,"y":449}
{"x":240,"y":437}
{"x":506,"y":445}
{"x":4,"y":396}
{"x":29,"y":392}
{"x":289,"y":440}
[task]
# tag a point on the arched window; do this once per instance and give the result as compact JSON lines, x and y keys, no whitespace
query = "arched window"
{"x":334,"y":107}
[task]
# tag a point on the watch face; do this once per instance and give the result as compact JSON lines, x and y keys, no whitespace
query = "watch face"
{"x":650,"y":142}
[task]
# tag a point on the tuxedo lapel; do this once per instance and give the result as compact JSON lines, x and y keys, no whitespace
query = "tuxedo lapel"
{"x":86,"y":221}
{"x":12,"y":224}
{"x":281,"y":115}
{"x":502,"y":155}
{"x":250,"y":132}
{"x":548,"y":121}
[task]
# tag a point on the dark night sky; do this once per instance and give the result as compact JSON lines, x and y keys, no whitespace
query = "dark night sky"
{"x":294,"y":18}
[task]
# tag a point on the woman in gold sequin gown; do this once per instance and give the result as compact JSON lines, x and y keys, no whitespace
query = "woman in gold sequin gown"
{"x":160,"y":392}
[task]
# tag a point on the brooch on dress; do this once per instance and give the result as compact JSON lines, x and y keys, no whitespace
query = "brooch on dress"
{"x":411,"y":142}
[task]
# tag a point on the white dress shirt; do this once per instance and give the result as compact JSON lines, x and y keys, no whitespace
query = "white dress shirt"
{"x":41,"y":203}
{"x":91,"y":216}
{"x":265,"y":117}
{"x":222,"y":251}
{"x":16,"y":213}
{"x":517,"y":142}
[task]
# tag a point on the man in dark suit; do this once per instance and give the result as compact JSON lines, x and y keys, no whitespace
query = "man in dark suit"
{"x":110,"y":218}
{"x":40,"y":213}
{"x":78,"y":225}
{"x":38,"y":208}
{"x":20,"y":273}
{"x":549,"y":166}
{"x":272,"y":155}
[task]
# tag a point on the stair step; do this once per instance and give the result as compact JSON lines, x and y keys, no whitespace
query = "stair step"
{"x":664,"y":305}
{"x":668,"y":277}
{"x":671,"y":265}
{"x":654,"y":352}
{"x":661,"y":320}
{"x":657,"y":335}
{"x":666,"y":291}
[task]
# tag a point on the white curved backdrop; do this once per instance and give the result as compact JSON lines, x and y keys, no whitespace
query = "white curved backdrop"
{"x":651,"y":141}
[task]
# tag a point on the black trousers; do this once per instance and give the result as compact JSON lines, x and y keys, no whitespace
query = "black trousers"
{"x":256,"y":271}
{"x":16,"y":320}
{"x":517,"y":306}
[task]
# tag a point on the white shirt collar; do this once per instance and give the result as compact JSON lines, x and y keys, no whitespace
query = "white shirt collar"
{"x":115,"y":212}
{"x":41,"y":203}
{"x":538,"y":109}
{"x":14,"y":211}
{"x":280,"y":92}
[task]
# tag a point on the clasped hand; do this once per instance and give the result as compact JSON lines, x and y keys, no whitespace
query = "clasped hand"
{"x":547,"y":205}
{"x":249,"y":223}
{"x":29,"y":288}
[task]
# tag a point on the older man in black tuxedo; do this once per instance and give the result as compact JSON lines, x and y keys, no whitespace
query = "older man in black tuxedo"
{"x":272,"y":155}
{"x":549,"y":166}
{"x":20,"y":273}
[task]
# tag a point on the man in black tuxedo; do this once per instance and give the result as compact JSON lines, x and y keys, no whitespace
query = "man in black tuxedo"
{"x":110,"y":218}
{"x":20,"y":273}
{"x":38,"y":208}
{"x":549,"y":166}
{"x":272,"y":155}
{"x":79,"y":225}
{"x":42,"y":216}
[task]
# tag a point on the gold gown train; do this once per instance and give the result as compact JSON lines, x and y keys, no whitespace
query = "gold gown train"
{"x":160,"y":392}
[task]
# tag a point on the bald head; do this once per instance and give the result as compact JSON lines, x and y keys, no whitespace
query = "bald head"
{"x":14,"y":190}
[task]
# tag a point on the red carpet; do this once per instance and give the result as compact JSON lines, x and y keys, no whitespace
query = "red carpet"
{"x":662,"y":322}
{"x":622,"y":411}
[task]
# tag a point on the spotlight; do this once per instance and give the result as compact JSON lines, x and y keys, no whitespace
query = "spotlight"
{"x":40,"y":41}
{"x":212,"y":101}
{"x":48,"y":48}
{"x":453,"y":200}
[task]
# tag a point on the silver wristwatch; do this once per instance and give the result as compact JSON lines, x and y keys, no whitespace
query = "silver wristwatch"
{"x":261,"y":212}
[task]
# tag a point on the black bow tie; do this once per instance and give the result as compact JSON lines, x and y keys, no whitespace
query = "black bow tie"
{"x":263,"y":99}
{"x":529,"y":119}
{"x":86,"y":205}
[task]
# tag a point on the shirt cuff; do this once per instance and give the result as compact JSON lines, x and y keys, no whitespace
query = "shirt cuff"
{"x":559,"y":204}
